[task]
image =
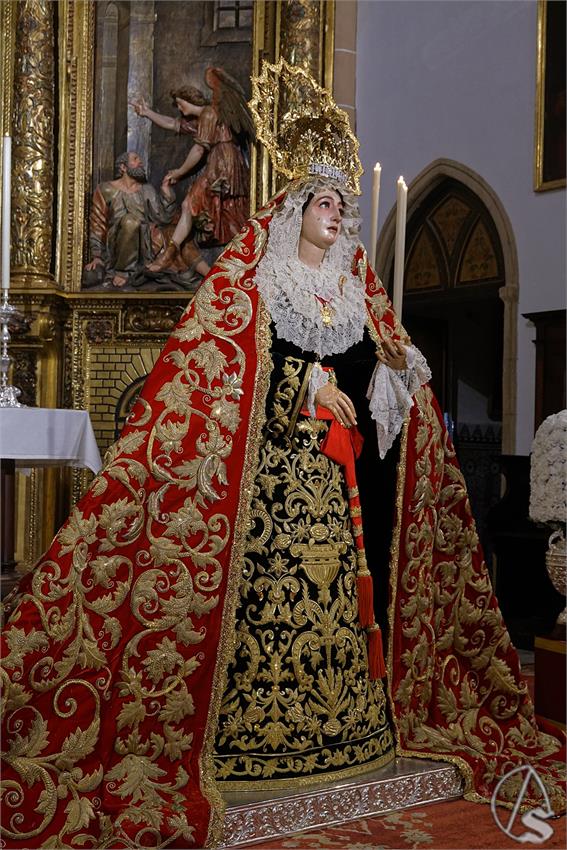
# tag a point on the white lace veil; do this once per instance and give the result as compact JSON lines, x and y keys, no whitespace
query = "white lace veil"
{"x":293,"y":291}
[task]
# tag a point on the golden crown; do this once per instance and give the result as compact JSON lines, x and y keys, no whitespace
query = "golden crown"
{"x":303,"y":129}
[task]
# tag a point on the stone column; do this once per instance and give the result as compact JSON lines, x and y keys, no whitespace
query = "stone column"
{"x":344,"y":77}
{"x":140,"y":75}
{"x":509,"y":295}
{"x":33,"y":138}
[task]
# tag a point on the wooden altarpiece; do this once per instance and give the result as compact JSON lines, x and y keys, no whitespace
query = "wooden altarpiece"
{"x":77,"y":348}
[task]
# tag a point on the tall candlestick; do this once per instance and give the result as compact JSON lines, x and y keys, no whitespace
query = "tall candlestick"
{"x":8,"y":395}
{"x":401,"y":208}
{"x":6,"y":190}
{"x":374,"y":216}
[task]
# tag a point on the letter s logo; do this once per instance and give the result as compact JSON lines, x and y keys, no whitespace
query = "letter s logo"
{"x":532,"y":820}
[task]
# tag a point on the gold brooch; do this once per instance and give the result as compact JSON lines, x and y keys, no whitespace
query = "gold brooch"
{"x":327,"y":313}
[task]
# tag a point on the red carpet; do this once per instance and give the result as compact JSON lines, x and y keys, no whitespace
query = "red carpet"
{"x":454,"y":825}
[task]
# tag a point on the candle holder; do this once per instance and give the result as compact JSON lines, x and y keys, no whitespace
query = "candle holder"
{"x":8,"y":395}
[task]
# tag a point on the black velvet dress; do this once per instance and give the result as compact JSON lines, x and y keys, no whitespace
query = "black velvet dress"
{"x":299,"y":703}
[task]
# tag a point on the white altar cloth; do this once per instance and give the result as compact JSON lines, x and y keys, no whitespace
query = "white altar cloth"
{"x":41,"y":436}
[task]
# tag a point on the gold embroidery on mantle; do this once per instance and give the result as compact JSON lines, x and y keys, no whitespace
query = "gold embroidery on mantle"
{"x":228,"y":638}
{"x":79,"y":606}
{"x":434,"y":678}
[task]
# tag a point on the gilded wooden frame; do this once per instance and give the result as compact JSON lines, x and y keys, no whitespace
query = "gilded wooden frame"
{"x":540,"y":183}
{"x":269,"y":42}
{"x":8,"y":30}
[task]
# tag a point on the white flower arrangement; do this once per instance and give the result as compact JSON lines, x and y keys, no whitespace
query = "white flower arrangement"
{"x":548,"y":472}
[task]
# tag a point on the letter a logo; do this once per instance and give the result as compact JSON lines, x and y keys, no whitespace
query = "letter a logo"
{"x":534,"y":820}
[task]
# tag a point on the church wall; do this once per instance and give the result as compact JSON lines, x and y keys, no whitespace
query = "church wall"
{"x":457,"y":80}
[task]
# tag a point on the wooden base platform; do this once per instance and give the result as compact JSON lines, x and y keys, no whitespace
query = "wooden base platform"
{"x":549,"y":679}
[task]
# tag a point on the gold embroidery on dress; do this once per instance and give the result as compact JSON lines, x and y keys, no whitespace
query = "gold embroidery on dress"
{"x":284,"y":396}
{"x":300,"y":399}
{"x":299,"y":702}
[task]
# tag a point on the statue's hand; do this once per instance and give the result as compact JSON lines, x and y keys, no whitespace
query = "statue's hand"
{"x":140,"y":107}
{"x":338,"y":403}
{"x":94,"y":264}
{"x":393,"y":354}
{"x":165,"y":187}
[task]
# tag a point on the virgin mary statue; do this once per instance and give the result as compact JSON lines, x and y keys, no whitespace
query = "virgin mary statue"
{"x":276,"y":578}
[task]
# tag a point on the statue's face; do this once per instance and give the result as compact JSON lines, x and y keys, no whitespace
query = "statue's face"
{"x":134,"y":160}
{"x":135,"y":167}
{"x":323,"y":218}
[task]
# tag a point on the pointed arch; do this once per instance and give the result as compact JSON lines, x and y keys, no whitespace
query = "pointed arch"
{"x":419,"y":188}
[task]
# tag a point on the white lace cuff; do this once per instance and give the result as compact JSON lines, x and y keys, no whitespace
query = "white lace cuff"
{"x":417,"y":373}
{"x":390,"y":395}
{"x":317,"y":380}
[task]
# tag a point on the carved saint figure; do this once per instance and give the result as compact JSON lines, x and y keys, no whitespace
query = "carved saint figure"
{"x":124,"y":230}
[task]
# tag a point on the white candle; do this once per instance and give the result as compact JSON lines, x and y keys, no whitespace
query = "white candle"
{"x":401,"y":207}
{"x":374,"y":216}
{"x":6,"y":176}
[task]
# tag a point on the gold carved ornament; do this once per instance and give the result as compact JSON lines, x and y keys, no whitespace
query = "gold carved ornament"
{"x":303,"y":129}
{"x":32,"y":126}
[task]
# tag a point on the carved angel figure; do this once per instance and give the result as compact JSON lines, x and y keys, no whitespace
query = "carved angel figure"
{"x":222,"y":130}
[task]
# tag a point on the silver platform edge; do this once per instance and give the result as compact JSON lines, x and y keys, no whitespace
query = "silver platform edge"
{"x":252,"y":817}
